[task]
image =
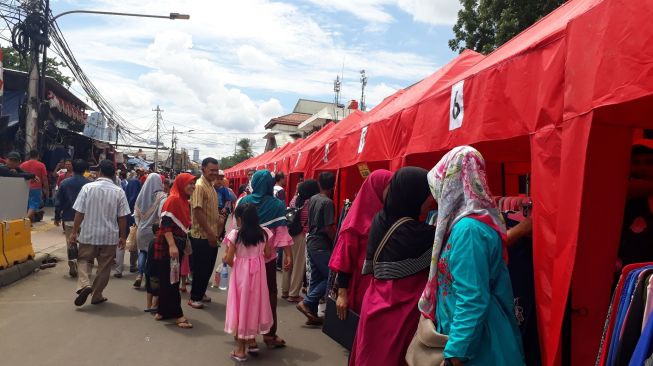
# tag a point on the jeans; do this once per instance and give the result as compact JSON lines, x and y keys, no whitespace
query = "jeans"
{"x":142,"y":260}
{"x":319,"y":260}
{"x":280,"y":259}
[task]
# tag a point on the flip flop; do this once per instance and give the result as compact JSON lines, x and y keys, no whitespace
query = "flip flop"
{"x":184,"y":324}
{"x":151,"y":310}
{"x":82,"y":296}
{"x":295,"y":299}
{"x":274,"y":342}
{"x":238,"y":358}
{"x":253,"y":348}
{"x":98,"y":302}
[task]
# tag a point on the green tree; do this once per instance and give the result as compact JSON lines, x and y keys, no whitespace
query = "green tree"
{"x":245,"y":149}
{"x":244,"y":152}
{"x":13,"y":60}
{"x":484,"y":25}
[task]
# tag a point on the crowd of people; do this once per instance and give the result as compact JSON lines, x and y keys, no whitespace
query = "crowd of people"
{"x":392,"y":269}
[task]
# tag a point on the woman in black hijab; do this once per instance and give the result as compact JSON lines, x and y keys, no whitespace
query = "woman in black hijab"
{"x":291,"y":283}
{"x":399,"y":257}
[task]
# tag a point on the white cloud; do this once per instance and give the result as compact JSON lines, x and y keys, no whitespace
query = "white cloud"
{"x":221,"y":70}
{"x":252,"y":58}
{"x":368,"y":10}
{"x":436,"y":12}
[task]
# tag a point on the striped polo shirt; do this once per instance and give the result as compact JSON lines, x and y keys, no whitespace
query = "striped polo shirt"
{"x":206,"y":198}
{"x":102,"y":203}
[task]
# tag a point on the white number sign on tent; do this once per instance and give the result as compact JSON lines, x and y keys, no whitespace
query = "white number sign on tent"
{"x":457,"y":106}
{"x":299,"y":157}
{"x":361,"y":143}
{"x":326,"y":153}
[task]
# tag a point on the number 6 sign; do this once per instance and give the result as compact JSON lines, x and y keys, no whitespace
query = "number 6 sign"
{"x":457,"y":106}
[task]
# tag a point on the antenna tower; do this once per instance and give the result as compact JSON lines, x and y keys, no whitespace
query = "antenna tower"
{"x":363,"y":85}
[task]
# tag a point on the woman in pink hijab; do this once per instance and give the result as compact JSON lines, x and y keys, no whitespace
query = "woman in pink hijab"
{"x":350,"y":250}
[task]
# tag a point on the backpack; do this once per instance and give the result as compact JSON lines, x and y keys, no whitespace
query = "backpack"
{"x":294,"y":221}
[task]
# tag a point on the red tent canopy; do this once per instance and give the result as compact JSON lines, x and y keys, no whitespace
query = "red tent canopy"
{"x":300,"y":156}
{"x":326,"y":154}
{"x":553,"y":98}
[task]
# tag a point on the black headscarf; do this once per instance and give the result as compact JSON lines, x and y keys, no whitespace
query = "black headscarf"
{"x":307,"y":189}
{"x":408,"y":249}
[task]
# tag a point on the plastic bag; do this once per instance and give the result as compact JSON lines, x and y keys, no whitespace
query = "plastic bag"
{"x":131,"y":240}
{"x":174,"y":270}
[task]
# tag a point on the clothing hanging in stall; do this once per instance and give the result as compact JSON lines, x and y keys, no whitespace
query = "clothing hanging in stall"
{"x":628,"y":333}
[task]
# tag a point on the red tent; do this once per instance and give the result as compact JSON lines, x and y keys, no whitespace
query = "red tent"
{"x":548,"y":102}
{"x":301,"y":156}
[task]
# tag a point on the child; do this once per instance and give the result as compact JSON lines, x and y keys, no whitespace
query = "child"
{"x":248,"y":304}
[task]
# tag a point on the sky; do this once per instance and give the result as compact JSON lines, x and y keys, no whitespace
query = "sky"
{"x":236,"y":64}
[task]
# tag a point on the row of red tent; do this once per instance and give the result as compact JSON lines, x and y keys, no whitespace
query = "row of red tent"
{"x":560,"y":102}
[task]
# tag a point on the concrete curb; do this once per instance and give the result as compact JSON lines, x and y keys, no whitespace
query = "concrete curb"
{"x":22,"y":270}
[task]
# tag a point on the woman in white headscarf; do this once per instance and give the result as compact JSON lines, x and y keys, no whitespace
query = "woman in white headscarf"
{"x":469,"y":295}
{"x":146,"y":213}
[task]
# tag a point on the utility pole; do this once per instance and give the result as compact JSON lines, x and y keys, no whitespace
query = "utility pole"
{"x":36,"y":91}
{"x":156,"y":152}
{"x":44,"y":66}
{"x":32,"y":119}
{"x":172,"y":144}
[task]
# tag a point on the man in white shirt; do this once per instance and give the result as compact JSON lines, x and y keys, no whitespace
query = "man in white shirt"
{"x":280,"y":183}
{"x":101,"y":214}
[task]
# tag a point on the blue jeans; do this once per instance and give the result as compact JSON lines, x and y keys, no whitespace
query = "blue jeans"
{"x":319,"y":260}
{"x":280,"y":258}
{"x":142,"y":260}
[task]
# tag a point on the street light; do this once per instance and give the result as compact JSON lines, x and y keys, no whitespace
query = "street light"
{"x":172,"y":16}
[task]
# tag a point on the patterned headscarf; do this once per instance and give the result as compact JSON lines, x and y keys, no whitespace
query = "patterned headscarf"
{"x":459,"y":184}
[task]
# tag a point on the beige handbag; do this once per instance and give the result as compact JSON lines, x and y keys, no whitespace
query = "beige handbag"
{"x":427,"y":346}
{"x":131,"y":239}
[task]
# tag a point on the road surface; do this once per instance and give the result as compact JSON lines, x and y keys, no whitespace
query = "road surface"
{"x":39,"y":325}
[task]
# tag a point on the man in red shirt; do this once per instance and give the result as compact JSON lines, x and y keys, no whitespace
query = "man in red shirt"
{"x":37,"y":187}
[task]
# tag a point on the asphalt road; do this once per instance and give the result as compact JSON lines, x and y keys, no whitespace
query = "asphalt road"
{"x":39,"y":325}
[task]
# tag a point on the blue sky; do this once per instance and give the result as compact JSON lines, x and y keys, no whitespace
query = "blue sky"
{"x":236,"y":64}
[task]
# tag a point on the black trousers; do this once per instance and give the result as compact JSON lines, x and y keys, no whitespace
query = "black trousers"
{"x":203,"y":262}
{"x":169,"y":296}
{"x":271,"y":277}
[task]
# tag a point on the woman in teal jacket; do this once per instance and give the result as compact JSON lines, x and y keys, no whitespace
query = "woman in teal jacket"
{"x":469,"y":295}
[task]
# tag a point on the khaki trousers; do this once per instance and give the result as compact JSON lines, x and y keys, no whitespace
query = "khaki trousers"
{"x":87,"y":254}
{"x":68,"y":230}
{"x":291,"y":282}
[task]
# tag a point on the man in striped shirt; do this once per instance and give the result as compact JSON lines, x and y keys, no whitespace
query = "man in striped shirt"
{"x":101,"y":213}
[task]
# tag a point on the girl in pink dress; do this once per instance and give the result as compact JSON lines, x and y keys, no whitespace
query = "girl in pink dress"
{"x":248,"y":304}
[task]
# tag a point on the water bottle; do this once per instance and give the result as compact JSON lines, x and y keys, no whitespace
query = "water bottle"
{"x":216,"y":277}
{"x":224,"y":277}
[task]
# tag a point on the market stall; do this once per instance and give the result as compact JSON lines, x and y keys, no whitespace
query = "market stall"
{"x":559,"y":104}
